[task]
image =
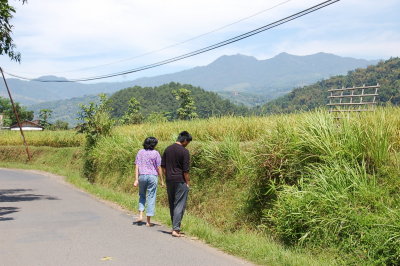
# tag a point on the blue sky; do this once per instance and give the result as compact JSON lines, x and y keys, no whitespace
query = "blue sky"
{"x":69,"y":37}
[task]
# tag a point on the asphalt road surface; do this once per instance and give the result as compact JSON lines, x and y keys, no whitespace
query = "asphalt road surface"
{"x":44,"y":221}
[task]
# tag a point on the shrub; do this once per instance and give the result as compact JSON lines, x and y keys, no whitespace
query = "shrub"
{"x":97,"y":124}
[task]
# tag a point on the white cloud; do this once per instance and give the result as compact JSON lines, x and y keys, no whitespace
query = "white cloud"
{"x":56,"y":36}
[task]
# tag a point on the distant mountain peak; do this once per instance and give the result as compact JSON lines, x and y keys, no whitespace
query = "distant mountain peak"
{"x":286,"y":55}
{"x":227,"y":59}
{"x":323,"y":53}
{"x":283,"y":54}
{"x":52,"y":78}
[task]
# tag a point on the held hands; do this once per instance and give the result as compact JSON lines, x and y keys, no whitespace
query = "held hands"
{"x":162,"y":183}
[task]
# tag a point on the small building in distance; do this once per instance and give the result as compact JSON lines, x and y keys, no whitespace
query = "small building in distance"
{"x":37,"y":122}
{"x":28,"y":126}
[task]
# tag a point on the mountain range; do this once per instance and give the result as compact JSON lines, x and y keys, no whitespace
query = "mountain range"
{"x":280,"y":74}
{"x":240,"y":78}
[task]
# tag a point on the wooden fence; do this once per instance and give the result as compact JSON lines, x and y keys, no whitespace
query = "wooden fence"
{"x":355,"y":99}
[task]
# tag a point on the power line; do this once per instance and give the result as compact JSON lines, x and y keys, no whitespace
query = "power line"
{"x":199,"y":51}
{"x":177,"y":44}
{"x":188,"y":40}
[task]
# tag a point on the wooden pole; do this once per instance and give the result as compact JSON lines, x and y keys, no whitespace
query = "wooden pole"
{"x":16,"y":115}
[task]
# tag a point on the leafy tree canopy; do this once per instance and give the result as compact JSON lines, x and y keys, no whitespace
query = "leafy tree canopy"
{"x":44,"y":115}
{"x":187,"y":108}
{"x":97,"y":123}
{"x":96,"y":120}
{"x":7,"y":110}
{"x":59,"y":125}
{"x":7,"y":45}
{"x":132,"y":115}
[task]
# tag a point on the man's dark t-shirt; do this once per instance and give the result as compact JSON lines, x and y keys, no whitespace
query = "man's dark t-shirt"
{"x":176,"y":161}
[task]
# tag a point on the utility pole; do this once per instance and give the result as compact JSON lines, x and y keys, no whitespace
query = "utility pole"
{"x":16,"y":115}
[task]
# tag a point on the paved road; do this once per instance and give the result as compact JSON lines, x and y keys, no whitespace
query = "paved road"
{"x":44,"y":221}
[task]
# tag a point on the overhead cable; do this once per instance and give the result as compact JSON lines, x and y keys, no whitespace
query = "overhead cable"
{"x":175,"y":44}
{"x":199,"y":51}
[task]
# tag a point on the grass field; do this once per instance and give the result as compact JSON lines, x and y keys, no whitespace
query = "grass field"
{"x":313,"y":183}
{"x":250,"y":245}
{"x":65,"y":138}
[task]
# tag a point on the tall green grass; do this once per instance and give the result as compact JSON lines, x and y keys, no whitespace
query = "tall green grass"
{"x":308,"y":179}
{"x":339,"y":190}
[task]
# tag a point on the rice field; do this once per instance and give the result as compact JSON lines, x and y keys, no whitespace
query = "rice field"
{"x":65,"y":138}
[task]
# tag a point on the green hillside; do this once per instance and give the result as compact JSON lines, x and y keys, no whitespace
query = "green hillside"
{"x":248,"y":99}
{"x":386,"y":73}
{"x":65,"y":110}
{"x":152,"y":100}
{"x":160,"y":99}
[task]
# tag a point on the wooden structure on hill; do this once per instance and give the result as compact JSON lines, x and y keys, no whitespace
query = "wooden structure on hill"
{"x":355,"y":99}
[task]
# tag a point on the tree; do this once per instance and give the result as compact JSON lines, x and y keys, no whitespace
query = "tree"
{"x":157,"y":117}
{"x":44,"y":115}
{"x":59,"y":125}
{"x":187,"y":109}
{"x":97,"y":123}
{"x":7,"y":110}
{"x":7,"y":45}
{"x":132,"y":115}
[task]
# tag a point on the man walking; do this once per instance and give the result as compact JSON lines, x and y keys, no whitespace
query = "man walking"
{"x":175,"y":164}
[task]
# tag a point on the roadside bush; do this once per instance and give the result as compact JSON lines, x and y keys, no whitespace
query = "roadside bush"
{"x":97,"y":123}
{"x":336,"y":191}
{"x":223,"y":171}
{"x":341,"y":208}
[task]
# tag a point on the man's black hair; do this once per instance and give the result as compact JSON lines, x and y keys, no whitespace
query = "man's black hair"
{"x":184,"y":136}
{"x":150,"y":143}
